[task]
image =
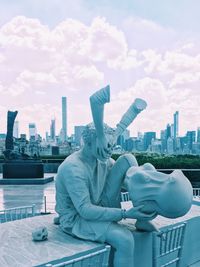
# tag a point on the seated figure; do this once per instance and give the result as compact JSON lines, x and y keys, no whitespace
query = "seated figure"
{"x":169,"y":195}
{"x":89,"y":182}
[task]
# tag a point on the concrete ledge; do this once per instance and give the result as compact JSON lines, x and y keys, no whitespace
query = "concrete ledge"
{"x":28,"y":181}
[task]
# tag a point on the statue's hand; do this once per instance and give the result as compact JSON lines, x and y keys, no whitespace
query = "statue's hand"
{"x":103,"y":148}
{"x":137,"y":213}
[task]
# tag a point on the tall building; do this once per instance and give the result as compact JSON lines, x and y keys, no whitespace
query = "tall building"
{"x":47,"y":136}
{"x":64,"y":118}
{"x":77,"y":134}
{"x":16,"y":129}
{"x":176,"y":124}
{"x":53,"y":129}
{"x":190,"y":137}
{"x":148,"y":137}
{"x":198,"y":135}
{"x":163,"y":138}
{"x":168,"y":131}
{"x":170,"y":145}
{"x":172,"y":130}
{"x":32,"y":130}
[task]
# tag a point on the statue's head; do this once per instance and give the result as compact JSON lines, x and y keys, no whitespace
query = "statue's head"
{"x":170,"y":195}
{"x":89,"y":138}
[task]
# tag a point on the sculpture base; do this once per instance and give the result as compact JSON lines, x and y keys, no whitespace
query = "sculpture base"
{"x":23,"y":169}
{"x":27,"y":181}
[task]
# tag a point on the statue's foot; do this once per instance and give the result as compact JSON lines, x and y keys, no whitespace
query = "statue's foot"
{"x":146,"y":226}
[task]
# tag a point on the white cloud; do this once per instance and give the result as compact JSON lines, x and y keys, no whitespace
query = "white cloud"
{"x":143,"y":34}
{"x":38,"y":65}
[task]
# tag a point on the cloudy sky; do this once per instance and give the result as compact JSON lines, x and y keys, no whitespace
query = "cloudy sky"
{"x":142,"y":48}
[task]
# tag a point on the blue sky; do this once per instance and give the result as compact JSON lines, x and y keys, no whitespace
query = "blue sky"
{"x":143,"y":48}
{"x":182,"y":15}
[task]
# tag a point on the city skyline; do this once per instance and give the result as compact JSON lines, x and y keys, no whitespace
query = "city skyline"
{"x":170,"y":127}
{"x":141,"y":49}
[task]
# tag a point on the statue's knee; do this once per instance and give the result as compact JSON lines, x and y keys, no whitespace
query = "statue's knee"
{"x":128,"y":159}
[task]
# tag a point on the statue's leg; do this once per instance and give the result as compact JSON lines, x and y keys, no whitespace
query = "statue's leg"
{"x":115,"y":179}
{"x":122,"y":240}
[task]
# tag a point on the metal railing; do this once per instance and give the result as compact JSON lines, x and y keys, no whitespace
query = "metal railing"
{"x":196,"y":192}
{"x":95,"y":259}
{"x":125,"y":196}
{"x":18,"y":213}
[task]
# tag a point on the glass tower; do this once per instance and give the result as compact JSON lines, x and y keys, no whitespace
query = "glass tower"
{"x":64,"y":118}
{"x":176,"y":121}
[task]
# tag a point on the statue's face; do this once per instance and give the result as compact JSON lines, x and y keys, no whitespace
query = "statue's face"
{"x":170,"y":195}
{"x":107,"y":154}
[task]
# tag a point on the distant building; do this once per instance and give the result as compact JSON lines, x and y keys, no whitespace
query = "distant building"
{"x":139,"y":145}
{"x":64,"y":118}
{"x":196,"y":148}
{"x":148,"y":136}
{"x":32,"y":130}
{"x":163,"y":138}
{"x":170,"y":146}
{"x":176,"y":124}
{"x":156,"y":146}
{"x":198,"y":135}
{"x":47,"y":136}
{"x":77,"y":134}
{"x":53,"y":130}
{"x":168,"y":131}
{"x":2,"y":142}
{"x":130,"y":144}
{"x":172,"y":130}
{"x":55,"y":150}
{"x":191,"y":138}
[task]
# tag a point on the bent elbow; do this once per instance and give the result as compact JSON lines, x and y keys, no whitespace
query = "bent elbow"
{"x":85,"y":212}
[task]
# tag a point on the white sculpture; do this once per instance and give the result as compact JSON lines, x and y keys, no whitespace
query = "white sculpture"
{"x":89,"y":182}
{"x":40,"y":234}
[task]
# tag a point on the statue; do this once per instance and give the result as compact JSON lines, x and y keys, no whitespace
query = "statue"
{"x":9,"y":153}
{"x":89,"y":182}
{"x":11,"y":115}
{"x":18,"y":164}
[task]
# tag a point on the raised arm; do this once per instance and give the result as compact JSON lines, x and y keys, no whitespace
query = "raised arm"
{"x":138,"y":106}
{"x":97,"y":102}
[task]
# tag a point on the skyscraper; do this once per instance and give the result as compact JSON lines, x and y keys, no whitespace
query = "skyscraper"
{"x":176,"y":122}
{"x":148,"y":136}
{"x":198,"y":135}
{"x":53,"y":129}
{"x":78,"y":132}
{"x":32,"y":130}
{"x":191,"y":138}
{"x":64,"y":118}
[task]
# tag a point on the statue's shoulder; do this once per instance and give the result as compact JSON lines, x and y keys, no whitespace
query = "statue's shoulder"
{"x":72,"y":163}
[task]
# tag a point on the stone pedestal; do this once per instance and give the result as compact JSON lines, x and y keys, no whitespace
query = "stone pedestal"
{"x":23,"y":169}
